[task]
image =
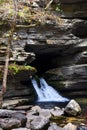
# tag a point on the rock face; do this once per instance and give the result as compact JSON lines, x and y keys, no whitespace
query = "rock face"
{"x":64,"y":48}
{"x":60,"y":45}
{"x":74,"y":8}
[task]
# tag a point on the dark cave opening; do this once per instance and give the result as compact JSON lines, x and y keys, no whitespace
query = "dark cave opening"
{"x":43,"y":63}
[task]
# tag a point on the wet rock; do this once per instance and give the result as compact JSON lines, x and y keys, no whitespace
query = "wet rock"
{"x":39,"y":123}
{"x":70,"y":126}
{"x":82,"y":127}
{"x":9,"y":123}
{"x":54,"y":127}
{"x":72,"y":108}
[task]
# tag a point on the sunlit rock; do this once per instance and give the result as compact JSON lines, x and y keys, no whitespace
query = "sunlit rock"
{"x":72,"y":108}
{"x":70,"y":126}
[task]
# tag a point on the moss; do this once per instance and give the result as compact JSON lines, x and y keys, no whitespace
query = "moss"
{"x":63,"y":120}
{"x":16,"y":68}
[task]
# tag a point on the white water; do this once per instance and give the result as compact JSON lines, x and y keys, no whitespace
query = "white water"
{"x":46,"y":92}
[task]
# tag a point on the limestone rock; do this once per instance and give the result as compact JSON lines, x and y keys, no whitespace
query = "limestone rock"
{"x":21,"y":117}
{"x":36,"y":109}
{"x":54,"y":127}
{"x":9,"y":123}
{"x":12,"y":119}
{"x":6,"y":113}
{"x":72,"y":108}
{"x":58,"y":112}
{"x":45,"y":113}
{"x":70,"y":126}
{"x":39,"y":123}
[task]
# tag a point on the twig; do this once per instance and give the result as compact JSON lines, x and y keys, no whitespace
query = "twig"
{"x":47,"y":6}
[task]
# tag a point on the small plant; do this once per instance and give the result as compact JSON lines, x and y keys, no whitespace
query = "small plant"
{"x":13,"y":68}
{"x":58,"y":9}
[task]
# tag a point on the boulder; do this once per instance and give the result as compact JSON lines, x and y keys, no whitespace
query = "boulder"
{"x":46,"y":113}
{"x":56,"y":113}
{"x":6,"y":113}
{"x":36,"y":109}
{"x":12,"y":118}
{"x":54,"y":127}
{"x":39,"y":123}
{"x":72,"y":108}
{"x":21,"y":117}
{"x":9,"y":123}
{"x":69,"y":126}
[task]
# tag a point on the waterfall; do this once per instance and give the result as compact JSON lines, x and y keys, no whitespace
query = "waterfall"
{"x":46,"y":92}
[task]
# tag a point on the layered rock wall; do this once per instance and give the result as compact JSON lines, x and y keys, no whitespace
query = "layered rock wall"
{"x":61,"y":47}
{"x":74,"y":8}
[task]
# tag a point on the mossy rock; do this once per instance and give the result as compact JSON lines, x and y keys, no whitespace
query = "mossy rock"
{"x":63,"y":120}
{"x":18,"y":70}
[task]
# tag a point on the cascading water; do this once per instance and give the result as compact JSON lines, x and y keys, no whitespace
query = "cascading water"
{"x":46,"y":93}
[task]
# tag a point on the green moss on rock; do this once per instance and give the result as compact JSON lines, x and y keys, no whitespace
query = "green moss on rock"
{"x":16,"y":69}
